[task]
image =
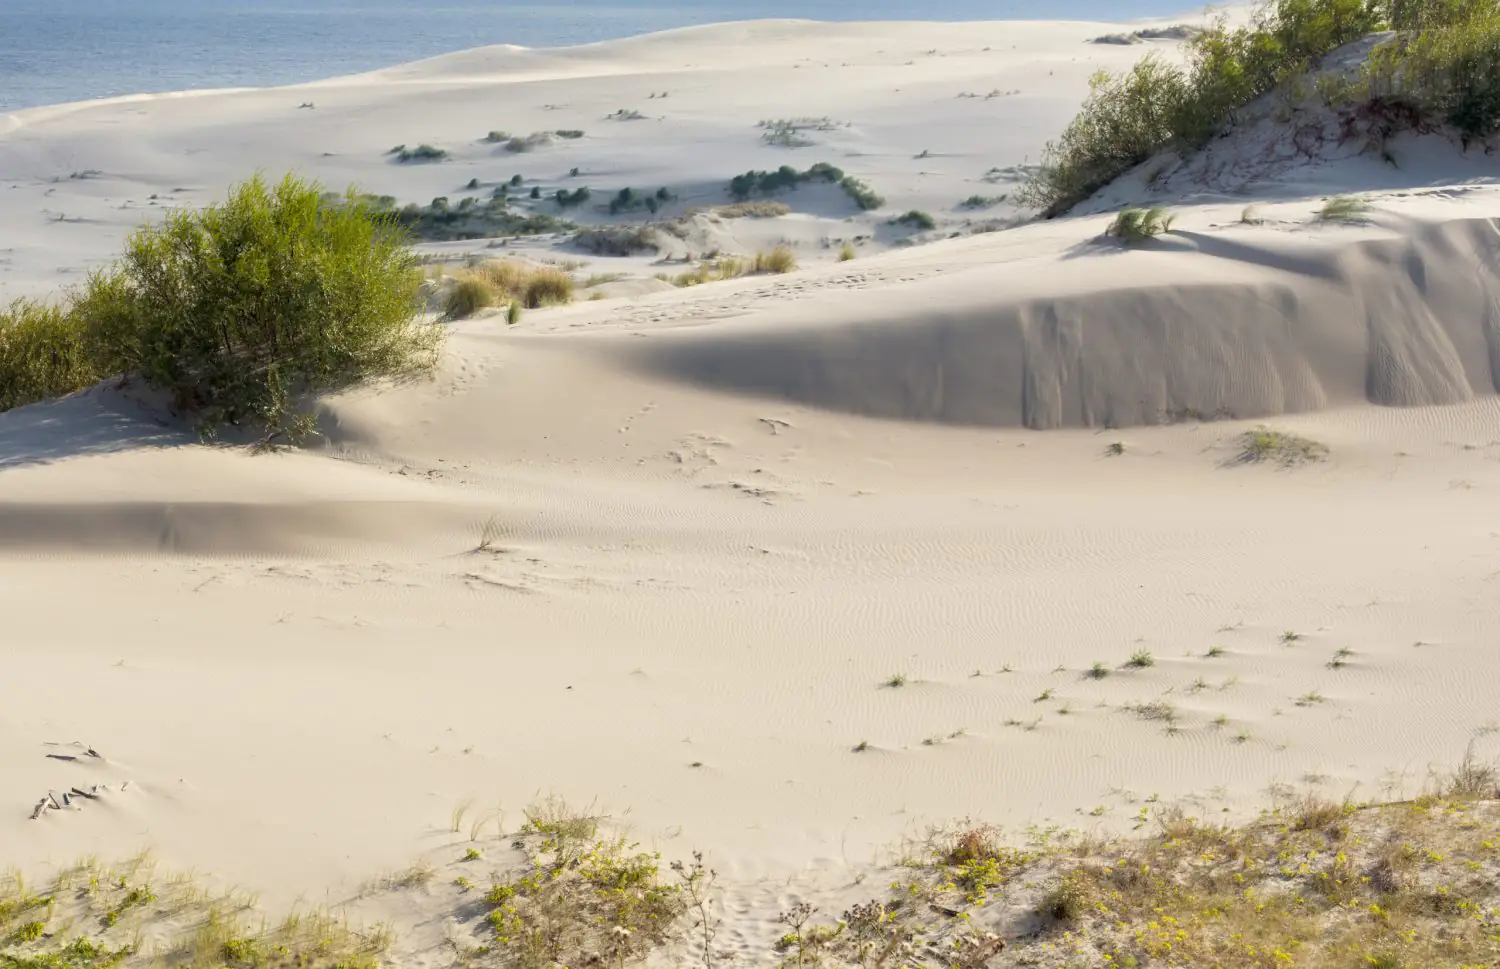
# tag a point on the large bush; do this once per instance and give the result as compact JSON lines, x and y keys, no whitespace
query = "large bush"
{"x":237,"y":309}
{"x":1449,"y":69}
{"x":43,"y":353}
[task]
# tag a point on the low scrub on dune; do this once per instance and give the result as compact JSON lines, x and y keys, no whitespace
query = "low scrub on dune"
{"x":1312,"y":882}
{"x":236,"y":310}
{"x":507,"y":281}
{"x":44,"y":353}
{"x":1441,"y":66}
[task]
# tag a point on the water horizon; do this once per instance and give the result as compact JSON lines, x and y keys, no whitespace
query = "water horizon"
{"x":60,"y":51}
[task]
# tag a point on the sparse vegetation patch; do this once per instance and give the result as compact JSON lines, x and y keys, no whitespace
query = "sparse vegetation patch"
{"x":1266,"y":445}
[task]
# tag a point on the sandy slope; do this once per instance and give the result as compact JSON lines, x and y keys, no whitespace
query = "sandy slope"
{"x":721,"y":519}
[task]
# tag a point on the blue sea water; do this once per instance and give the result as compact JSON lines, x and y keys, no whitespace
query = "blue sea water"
{"x":53,"y":51}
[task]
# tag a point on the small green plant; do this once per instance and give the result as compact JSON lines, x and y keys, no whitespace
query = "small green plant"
{"x":915,"y":219}
{"x":513,"y":312}
{"x":238,"y":309}
{"x":1290,"y":636}
{"x":846,"y":252}
{"x":495,"y":136}
{"x":1340,"y":658}
{"x":1310,"y":698}
{"x":1140,"y":659}
{"x":1044,"y":696}
{"x":1097,"y":672}
{"x":1133,"y":225}
{"x":473,"y":854}
{"x":1343,"y":208}
{"x":981,"y":201}
{"x":1214,"y":652}
{"x":1115,"y":449}
{"x":421,"y":153}
{"x":862,"y":746}
{"x":1263,"y":445}
{"x":896,"y":681}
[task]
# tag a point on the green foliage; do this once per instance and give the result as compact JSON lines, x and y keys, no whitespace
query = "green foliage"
{"x":786,"y":177}
{"x":1155,"y":105}
{"x":1137,"y":225}
{"x":581,"y":895}
{"x":441,"y":221}
{"x":467,"y":297}
{"x":421,"y":153}
{"x":1447,"y":68}
{"x":1343,"y":208}
{"x":915,"y":219}
{"x":236,"y":309}
{"x":78,"y":954}
{"x":43,"y":353}
{"x":863,"y":195}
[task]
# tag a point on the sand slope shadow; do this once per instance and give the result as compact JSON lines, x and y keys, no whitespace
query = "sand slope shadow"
{"x":1401,"y":322}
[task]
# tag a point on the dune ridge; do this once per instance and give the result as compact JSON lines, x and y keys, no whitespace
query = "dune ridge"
{"x":1403,"y":321}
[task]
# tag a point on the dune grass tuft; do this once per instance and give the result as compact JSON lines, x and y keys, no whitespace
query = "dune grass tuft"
{"x":507,"y":281}
{"x":1343,"y":208}
{"x":778,"y":260}
{"x":1134,"y":225}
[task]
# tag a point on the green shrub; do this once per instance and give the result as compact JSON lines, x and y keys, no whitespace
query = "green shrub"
{"x":548,"y":287}
{"x":567,"y":199}
{"x":915,"y":219}
{"x":862,"y":194}
{"x":1449,"y":70}
{"x":239,"y":307}
{"x":421,"y":153}
{"x":1138,"y":225}
{"x":1155,"y":105}
{"x":779,"y":260}
{"x":756,"y":182}
{"x":1343,"y":208}
{"x":43,"y":353}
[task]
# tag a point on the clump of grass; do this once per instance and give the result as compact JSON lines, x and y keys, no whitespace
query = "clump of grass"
{"x":915,"y":219}
{"x":1097,"y":672}
{"x":469,"y":295}
{"x":323,"y":297}
{"x":569,"y":134}
{"x":571,"y":199}
{"x":44,"y":352}
{"x":626,"y":114}
{"x":1310,"y":698}
{"x":862,"y":194}
{"x":785,"y":178}
{"x":421,"y":153}
{"x":497,"y":136}
{"x":1343,"y":208}
{"x":779,"y":260}
{"x":531,"y":142}
{"x":1291,"y":636}
{"x":1133,"y":225}
{"x":981,"y":201}
{"x":846,"y":252}
{"x":513,"y":313}
{"x":1214,"y":652}
{"x":1044,"y":696}
{"x":861,"y":747}
{"x":1140,"y":659}
{"x":896,"y":681}
{"x":1340,"y":658}
{"x":753,"y":210}
{"x":1265,"y":444}
{"x":1154,"y":710}
{"x":580,"y":892}
{"x":1115,"y":449}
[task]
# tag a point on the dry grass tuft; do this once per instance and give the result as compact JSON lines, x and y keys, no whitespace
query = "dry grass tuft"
{"x":779,"y":260}
{"x":507,"y":281}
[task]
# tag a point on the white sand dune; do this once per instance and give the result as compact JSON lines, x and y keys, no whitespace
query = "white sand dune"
{"x":719,"y":519}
